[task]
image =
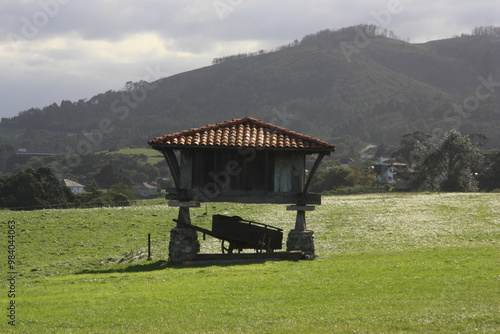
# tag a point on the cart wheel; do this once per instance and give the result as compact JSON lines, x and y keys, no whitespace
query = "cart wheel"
{"x":226,"y":249}
{"x":265,"y":244}
{"x":268,"y":244}
{"x":260,"y":243}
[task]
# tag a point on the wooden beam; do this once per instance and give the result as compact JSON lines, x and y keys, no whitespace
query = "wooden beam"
{"x":300,"y":208}
{"x":250,"y":197}
{"x":300,"y":221}
{"x":313,"y":171}
{"x":173,"y":165}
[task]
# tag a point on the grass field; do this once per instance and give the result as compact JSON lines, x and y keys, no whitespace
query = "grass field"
{"x":387,"y":263}
{"x":153,"y":155}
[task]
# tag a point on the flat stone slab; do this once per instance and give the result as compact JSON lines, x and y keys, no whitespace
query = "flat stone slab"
{"x":300,"y":208}
{"x":185,"y":204}
{"x":246,"y":257}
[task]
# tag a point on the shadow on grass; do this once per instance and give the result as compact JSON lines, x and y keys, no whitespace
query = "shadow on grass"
{"x":135,"y":268}
{"x":162,"y":264}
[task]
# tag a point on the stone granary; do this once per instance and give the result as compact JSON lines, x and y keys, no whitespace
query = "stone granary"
{"x":245,"y":161}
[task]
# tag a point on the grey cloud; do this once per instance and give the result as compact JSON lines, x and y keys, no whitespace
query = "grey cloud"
{"x":196,"y":27}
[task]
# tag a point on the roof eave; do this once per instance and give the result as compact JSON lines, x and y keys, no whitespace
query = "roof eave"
{"x":165,"y":147}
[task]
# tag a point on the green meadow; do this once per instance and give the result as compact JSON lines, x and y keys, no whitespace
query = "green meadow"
{"x":386,"y":263}
{"x":153,"y":156}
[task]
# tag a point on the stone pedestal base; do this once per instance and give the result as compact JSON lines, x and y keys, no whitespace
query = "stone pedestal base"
{"x":183,"y":246}
{"x":302,"y":241}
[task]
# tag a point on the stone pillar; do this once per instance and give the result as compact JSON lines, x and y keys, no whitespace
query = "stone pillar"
{"x":184,"y":244}
{"x":301,"y":239}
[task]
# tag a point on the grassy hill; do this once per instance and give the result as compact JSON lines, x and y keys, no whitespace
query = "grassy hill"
{"x":385,"y":89}
{"x":152,"y":156}
{"x":387,"y":263}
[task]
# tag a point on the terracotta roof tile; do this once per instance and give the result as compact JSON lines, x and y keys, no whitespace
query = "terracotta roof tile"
{"x":244,"y":132}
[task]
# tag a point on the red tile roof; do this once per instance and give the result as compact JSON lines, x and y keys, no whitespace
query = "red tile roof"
{"x":243,"y":132}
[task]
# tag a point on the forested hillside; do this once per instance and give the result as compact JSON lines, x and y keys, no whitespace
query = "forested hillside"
{"x":350,"y":87}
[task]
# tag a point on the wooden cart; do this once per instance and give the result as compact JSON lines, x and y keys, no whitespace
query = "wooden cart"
{"x":237,"y":234}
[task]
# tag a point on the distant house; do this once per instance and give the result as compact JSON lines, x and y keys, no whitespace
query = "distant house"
{"x":366,"y":156}
{"x":145,"y":190}
{"x":164,"y":183}
{"x":346,"y":162}
{"x":75,"y":187}
{"x":394,"y":173}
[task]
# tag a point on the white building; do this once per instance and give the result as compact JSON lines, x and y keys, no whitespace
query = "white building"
{"x":394,"y":173}
{"x":75,"y":187}
{"x":145,"y":190}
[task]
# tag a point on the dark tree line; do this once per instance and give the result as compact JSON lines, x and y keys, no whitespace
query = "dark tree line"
{"x":333,"y":37}
{"x":335,"y":177}
{"x":104,"y":168}
{"x":219,"y":60}
{"x":31,"y":185}
{"x":347,"y":34}
{"x":321,"y":37}
{"x":486,"y":31}
{"x":32,"y":189}
{"x":40,"y":189}
{"x":455,"y":162}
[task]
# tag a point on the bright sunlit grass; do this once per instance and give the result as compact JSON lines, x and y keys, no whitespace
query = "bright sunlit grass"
{"x":387,"y":263}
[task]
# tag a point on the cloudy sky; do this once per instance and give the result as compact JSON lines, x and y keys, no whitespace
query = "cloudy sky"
{"x":54,"y":50}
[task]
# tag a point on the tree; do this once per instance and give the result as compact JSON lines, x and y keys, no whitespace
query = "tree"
{"x":31,"y":190}
{"x":120,"y":190}
{"x":449,"y":165}
{"x":489,"y":179}
{"x":381,"y":150}
{"x":21,"y":191}
{"x":486,"y":31}
{"x":334,"y":177}
{"x":5,"y":151}
{"x":411,"y":147}
{"x":360,"y":175}
{"x":118,"y":195}
{"x":92,"y":197}
{"x":112,"y":174}
{"x":54,"y":193}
